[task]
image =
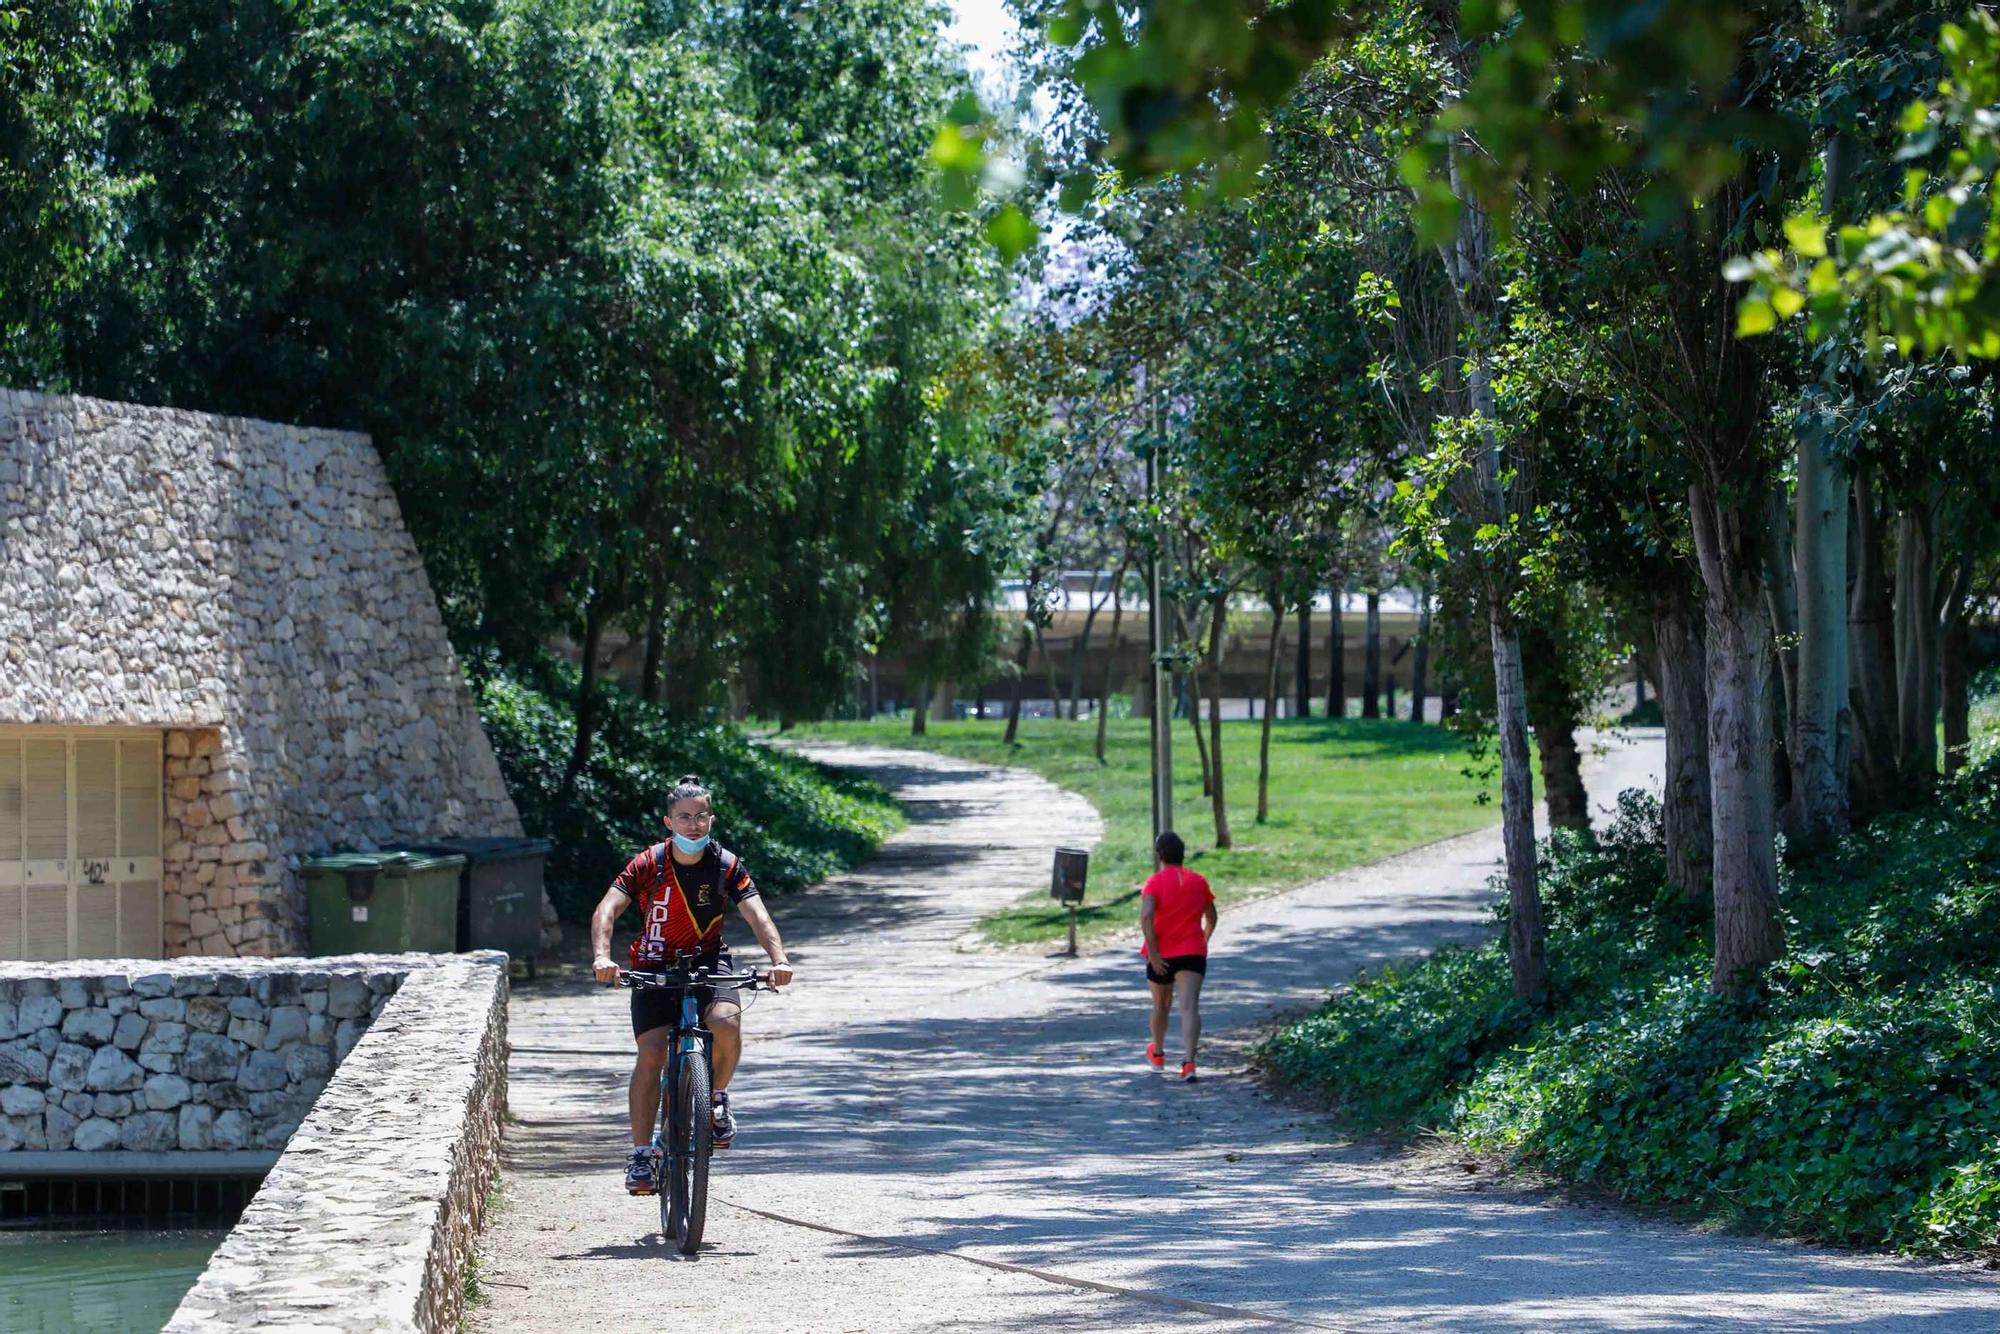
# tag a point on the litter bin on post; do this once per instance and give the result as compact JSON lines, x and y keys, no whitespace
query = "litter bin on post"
{"x":499,"y":893}
{"x":388,"y":902}
{"x":1066,"y":882}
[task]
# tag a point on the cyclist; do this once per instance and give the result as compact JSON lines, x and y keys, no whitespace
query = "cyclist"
{"x":682,"y":887}
{"x":1176,"y":916}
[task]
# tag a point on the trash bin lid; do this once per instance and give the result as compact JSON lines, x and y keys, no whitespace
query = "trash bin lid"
{"x":394,"y":861}
{"x":477,"y":850}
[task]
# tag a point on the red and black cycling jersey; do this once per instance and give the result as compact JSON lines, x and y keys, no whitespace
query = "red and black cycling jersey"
{"x":681,"y":907}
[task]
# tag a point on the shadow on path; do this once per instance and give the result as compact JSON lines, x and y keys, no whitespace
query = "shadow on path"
{"x":996,"y":1107}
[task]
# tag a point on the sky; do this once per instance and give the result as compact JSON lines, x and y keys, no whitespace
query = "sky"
{"x":987,"y":28}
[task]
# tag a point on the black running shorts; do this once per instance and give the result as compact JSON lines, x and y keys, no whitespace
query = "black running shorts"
{"x":660,"y":1007}
{"x":1175,"y":964}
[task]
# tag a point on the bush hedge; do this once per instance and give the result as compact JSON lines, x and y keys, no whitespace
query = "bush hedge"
{"x":1854,"y":1096}
{"x":792,"y":822}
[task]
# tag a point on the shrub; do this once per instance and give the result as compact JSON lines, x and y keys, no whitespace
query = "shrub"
{"x":1854,"y":1096}
{"x":792,"y":822}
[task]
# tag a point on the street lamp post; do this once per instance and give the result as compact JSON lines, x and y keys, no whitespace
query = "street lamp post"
{"x":1162,"y":710}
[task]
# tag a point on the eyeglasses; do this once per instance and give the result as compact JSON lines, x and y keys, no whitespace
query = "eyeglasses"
{"x":692,"y":817}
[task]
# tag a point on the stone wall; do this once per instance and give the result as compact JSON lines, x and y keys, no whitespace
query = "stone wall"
{"x":368,"y":1219}
{"x":249,"y":589}
{"x":104,"y":1057}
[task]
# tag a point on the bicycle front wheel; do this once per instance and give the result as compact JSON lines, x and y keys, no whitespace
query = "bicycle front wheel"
{"x":688,"y":1168}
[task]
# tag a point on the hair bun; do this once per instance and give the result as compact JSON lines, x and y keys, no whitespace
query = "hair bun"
{"x":690,"y":778}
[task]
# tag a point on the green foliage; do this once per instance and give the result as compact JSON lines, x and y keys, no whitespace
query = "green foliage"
{"x":1924,"y":273}
{"x":792,"y":822}
{"x":1854,"y":1097}
{"x":1398,"y":1040}
{"x":646,"y":306}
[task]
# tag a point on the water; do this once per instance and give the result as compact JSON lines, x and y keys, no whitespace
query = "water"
{"x":59,"y":1282}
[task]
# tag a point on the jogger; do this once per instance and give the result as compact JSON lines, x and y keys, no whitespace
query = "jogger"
{"x":1177,"y":916}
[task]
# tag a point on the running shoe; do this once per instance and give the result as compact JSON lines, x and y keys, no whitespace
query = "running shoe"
{"x":1187,"y":1072}
{"x":1155,"y":1057}
{"x":639,"y":1171}
{"x":722,"y":1125}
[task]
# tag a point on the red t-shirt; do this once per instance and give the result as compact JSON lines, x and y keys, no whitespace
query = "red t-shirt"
{"x":1180,"y":896}
{"x":680,"y":907}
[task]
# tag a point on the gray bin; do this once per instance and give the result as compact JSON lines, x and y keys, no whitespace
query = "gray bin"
{"x":499,"y":893}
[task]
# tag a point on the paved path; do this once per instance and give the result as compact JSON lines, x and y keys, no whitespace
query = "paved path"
{"x":938,"y":1140}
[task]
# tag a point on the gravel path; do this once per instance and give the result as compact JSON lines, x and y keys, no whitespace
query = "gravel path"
{"x":935,"y":1139}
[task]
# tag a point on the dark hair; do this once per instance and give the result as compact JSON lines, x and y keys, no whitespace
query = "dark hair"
{"x":690,"y":789}
{"x":1172,"y":851}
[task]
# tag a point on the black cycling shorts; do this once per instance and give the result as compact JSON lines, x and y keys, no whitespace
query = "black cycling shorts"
{"x":660,"y":1007}
{"x":1175,"y":964}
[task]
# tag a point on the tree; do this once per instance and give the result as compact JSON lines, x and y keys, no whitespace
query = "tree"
{"x":1922,"y":272}
{"x":629,"y":279}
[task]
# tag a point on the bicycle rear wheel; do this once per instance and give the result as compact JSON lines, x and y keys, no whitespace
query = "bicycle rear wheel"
{"x":688,"y":1168}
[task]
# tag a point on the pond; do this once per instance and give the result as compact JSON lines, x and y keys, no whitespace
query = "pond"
{"x":132,"y":1280}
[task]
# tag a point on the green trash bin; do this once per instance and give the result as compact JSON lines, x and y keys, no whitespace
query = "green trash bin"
{"x":500,"y":894}
{"x":389,"y":902}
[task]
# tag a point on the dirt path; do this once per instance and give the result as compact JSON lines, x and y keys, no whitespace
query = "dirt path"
{"x":937,"y":1139}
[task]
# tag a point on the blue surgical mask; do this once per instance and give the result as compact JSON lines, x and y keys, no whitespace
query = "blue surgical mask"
{"x":690,"y":846}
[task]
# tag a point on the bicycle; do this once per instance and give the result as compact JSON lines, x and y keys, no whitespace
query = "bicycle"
{"x":684,"y":1125}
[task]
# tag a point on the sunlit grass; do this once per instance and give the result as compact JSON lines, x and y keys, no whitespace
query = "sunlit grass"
{"x":1344,"y":792}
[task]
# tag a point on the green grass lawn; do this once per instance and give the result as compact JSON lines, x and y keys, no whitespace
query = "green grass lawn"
{"x":1343,"y":792}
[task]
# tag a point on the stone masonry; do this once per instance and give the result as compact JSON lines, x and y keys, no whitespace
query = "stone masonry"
{"x":193,"y":1056}
{"x":250,"y":590}
{"x":367,"y":1221}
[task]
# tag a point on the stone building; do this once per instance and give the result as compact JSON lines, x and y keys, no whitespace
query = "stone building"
{"x":218,"y":652}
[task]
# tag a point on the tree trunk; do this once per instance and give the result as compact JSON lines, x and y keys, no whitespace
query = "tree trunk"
{"x":1818,"y":744}
{"x":1748,"y":933}
{"x":1193,"y":679}
{"x":1781,"y":592}
{"x":1190,"y":682}
{"x":1048,"y":672}
{"x":1953,"y":648}
{"x":1526,"y":943}
{"x":1871,"y":653}
{"x":1371,"y":659}
{"x":1080,"y":651}
{"x":1781,"y":600}
{"x":1302,"y":674}
{"x":1552,"y":716}
{"x":1916,"y":648}
{"x":1562,"y":773}
{"x":1419,"y":670}
{"x":1111,"y":660}
{"x":919,"y":720}
{"x":1681,"y":661}
{"x":1469,"y":260}
{"x":586,"y":694}
{"x":1270,"y":710}
{"x":1336,"y":661}
{"x":1020,"y":677}
{"x":1821,"y":720}
{"x":656,"y":633}
{"x":1218,"y":626}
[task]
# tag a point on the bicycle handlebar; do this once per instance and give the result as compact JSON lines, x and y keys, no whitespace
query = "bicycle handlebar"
{"x":679,"y":978}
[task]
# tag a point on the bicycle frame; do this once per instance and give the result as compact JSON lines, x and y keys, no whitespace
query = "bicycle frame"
{"x":689,"y":1034}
